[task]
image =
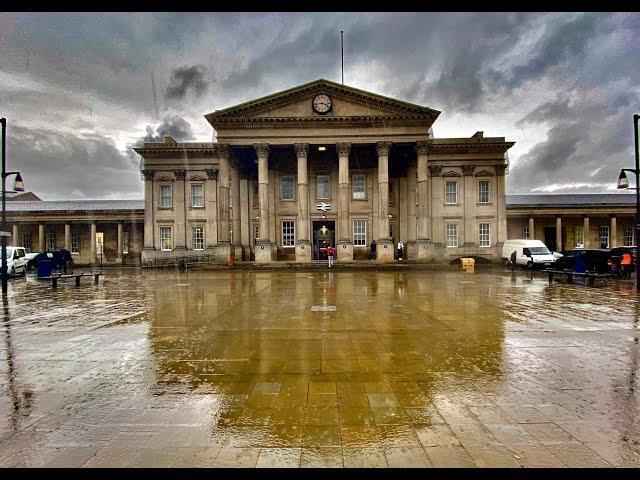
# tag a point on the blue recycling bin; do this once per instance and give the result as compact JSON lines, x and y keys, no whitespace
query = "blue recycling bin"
{"x":45,"y":268}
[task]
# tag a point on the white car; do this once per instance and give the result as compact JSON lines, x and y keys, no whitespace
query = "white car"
{"x":16,"y":260}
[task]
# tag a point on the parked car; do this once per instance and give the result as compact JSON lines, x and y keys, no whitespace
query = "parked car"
{"x":59,"y":257}
{"x":585,"y":260}
{"x":16,"y":260}
{"x":529,"y":253}
{"x":623,"y":260}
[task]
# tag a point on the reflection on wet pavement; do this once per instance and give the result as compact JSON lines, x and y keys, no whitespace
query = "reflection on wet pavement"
{"x":417,"y":368}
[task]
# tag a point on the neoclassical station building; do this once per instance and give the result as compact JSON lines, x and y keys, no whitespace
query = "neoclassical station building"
{"x":324,"y":164}
{"x":319,"y":165}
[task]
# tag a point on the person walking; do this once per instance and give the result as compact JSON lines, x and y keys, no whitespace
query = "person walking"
{"x":331,"y":252}
{"x":372,"y":254}
{"x":400,"y":249}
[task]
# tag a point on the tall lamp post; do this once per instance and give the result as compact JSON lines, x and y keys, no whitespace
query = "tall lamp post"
{"x":18,"y":186}
{"x":623,"y":182}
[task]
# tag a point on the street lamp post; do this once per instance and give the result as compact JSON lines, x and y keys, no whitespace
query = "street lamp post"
{"x":623,"y":182}
{"x":18,"y":186}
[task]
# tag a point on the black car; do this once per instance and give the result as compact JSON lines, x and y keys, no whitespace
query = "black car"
{"x":60,"y":258}
{"x":585,"y":260}
{"x":623,"y":260}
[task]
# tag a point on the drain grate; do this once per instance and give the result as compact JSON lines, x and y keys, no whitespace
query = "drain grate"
{"x":323,"y":308}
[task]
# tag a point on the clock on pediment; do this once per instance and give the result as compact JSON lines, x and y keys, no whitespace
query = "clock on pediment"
{"x":321,"y":103}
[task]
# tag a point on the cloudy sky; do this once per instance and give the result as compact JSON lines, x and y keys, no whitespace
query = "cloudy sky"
{"x":77,"y":89}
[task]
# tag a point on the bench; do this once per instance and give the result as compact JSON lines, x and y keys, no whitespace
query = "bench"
{"x":60,"y":276}
{"x":590,"y":276}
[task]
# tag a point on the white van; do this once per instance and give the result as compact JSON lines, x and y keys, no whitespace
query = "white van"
{"x":530,"y":253}
{"x":16,"y":260}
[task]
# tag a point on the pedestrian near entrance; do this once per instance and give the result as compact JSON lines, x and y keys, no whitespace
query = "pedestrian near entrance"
{"x":400,"y":249}
{"x":331,"y":253}
{"x":372,"y":253}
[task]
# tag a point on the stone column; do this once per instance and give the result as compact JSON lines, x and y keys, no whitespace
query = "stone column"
{"x":384,"y":250}
{"x":179,"y":209}
{"x":211,"y":198}
{"x":235,"y":207}
{"x":244,"y":220}
{"x":15,"y":240}
{"x":559,"y":233}
{"x":41,"y":237}
{"x":532,"y":235}
{"x":263,"y":245}
{"x":422,"y":218}
{"x":93,"y":250}
{"x":120,"y":239}
{"x":345,"y":243}
{"x":412,"y":201}
{"x":613,"y":235}
{"x":224,"y":249}
{"x":67,"y":236}
{"x":149,"y":229}
{"x":303,"y":246}
{"x":585,"y":232}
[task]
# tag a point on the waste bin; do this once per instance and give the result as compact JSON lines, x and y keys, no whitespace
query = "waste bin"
{"x":45,"y":268}
{"x":468,"y":264}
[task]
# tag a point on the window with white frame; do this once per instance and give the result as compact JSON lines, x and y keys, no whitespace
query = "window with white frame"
{"x":323,"y":187}
{"x":451,"y":192}
{"x":166,"y":239}
{"x":484,"y":235}
{"x":75,"y":243}
{"x":288,"y":233}
{"x":579,"y":234}
{"x":358,"y":186}
{"x":287,"y":187}
{"x":166,"y":200}
{"x":197,"y":238}
{"x":604,"y":236}
{"x":525,"y":232}
{"x":26,"y":242}
{"x":197,"y":196}
{"x":50,"y":241}
{"x":628,"y":235}
{"x":452,"y":234}
{"x":359,"y":233}
{"x":483,"y":191}
{"x":125,"y":243}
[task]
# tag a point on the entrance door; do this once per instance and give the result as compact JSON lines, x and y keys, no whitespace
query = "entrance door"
{"x":324,"y":235}
{"x":550,"y":238}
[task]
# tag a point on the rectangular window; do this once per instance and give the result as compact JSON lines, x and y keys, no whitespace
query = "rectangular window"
{"x":451,"y":192}
{"x":256,"y":199}
{"x":26,"y":242}
{"x":99,"y":243}
{"x":197,"y":196}
{"x":288,"y":233}
{"x":485,"y":235}
{"x":452,"y":234}
{"x":579,"y":232}
{"x":197,"y":238}
{"x":604,"y":236}
{"x":286,"y":187}
{"x":125,"y":243}
{"x":50,"y":241}
{"x":166,"y":239}
{"x":359,"y":233}
{"x":165,"y":196}
{"x":323,"y":187}
{"x":628,"y":235}
{"x":75,"y":243}
{"x":525,"y":232}
{"x":256,"y":232}
{"x":359,"y":184}
{"x":483,"y":191}
{"x":392,"y":193}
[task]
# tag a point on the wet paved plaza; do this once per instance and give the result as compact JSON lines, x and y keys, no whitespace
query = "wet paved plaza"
{"x":416,"y":368}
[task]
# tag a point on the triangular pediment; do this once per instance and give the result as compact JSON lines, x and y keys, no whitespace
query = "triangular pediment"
{"x":347,"y":103}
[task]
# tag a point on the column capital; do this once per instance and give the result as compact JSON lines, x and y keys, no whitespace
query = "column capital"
{"x":383,"y":148}
{"x":435,"y":170}
{"x":302,"y":149}
{"x":467,"y":170}
{"x":422,"y":147}
{"x":262,"y":149}
{"x":212,"y":173}
{"x":501,"y":170}
{"x":222,"y":150}
{"x":343,"y":149}
{"x":180,"y":173}
{"x":148,"y":174}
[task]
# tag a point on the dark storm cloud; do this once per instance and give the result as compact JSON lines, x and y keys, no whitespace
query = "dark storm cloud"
{"x":184,"y":79}
{"x":172,"y":126}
